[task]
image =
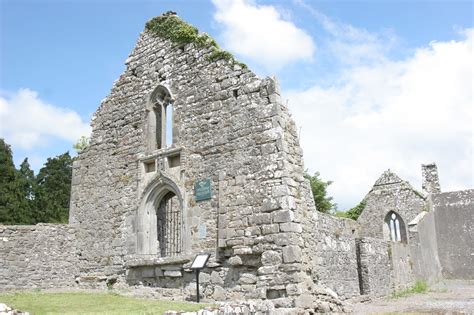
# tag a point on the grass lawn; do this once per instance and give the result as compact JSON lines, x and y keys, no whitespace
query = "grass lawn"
{"x":90,"y":303}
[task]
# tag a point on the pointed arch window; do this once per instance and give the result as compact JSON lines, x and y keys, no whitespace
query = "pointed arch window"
{"x":160,"y":119}
{"x":396,"y":227}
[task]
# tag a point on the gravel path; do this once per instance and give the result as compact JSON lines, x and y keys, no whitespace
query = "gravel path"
{"x":446,"y":297}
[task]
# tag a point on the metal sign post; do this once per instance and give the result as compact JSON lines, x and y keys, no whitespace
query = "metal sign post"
{"x":199,"y":263}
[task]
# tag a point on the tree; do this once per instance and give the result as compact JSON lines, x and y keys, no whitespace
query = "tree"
{"x":324,"y":203}
{"x":53,"y":189}
{"x":7,"y":184}
{"x":25,"y":186}
{"x":353,"y":213}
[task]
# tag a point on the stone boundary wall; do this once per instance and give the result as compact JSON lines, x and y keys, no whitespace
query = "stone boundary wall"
{"x":402,"y":266}
{"x":375,"y":266}
{"x":424,"y":247}
{"x":331,"y":253}
{"x":37,"y":256}
{"x":454,"y":215}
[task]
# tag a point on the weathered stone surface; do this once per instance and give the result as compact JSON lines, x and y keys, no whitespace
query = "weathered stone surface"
{"x":291,"y":254}
{"x":271,"y":257}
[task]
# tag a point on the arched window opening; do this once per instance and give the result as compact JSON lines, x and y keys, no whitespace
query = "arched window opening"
{"x":396,"y":227}
{"x":160,"y":121}
{"x":169,"y":225}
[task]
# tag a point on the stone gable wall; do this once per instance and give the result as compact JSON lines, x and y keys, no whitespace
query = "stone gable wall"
{"x":390,"y":193}
{"x":233,"y":129}
{"x":39,"y":256}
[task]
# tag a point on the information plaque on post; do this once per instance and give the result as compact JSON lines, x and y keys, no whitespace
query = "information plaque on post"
{"x":199,"y":263}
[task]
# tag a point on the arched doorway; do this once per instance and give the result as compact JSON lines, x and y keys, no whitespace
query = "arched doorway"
{"x":160,"y":220}
{"x":169,"y":224}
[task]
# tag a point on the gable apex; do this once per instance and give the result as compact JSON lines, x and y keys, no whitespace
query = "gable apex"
{"x":388,"y":177}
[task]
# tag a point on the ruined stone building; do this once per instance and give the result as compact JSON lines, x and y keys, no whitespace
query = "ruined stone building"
{"x":193,"y":153}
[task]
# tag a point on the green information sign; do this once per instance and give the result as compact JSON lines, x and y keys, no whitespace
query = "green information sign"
{"x":202,"y":189}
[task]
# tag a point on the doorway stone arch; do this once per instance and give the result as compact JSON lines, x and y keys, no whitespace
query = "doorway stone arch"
{"x":160,"y":222}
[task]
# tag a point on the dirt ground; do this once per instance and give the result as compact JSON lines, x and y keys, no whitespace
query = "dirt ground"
{"x":446,"y":297}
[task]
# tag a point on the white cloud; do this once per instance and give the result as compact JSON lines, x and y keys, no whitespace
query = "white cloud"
{"x":259,"y":33}
{"x":393,"y":114}
{"x":352,"y":45}
{"x":28,"y":122}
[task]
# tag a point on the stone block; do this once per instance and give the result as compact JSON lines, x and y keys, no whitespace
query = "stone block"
{"x":271,"y":257}
{"x":305,"y":301}
{"x":291,"y":254}
{"x":242,"y":251}
{"x":282,"y":216}
{"x":148,"y":273}
{"x":172,"y":273}
{"x":266,"y":270}
{"x":260,"y":218}
{"x":219,"y":293}
{"x":279,"y":191}
{"x":235,"y":261}
{"x":270,"y":205}
{"x":270,"y":229}
{"x":216,"y":278}
{"x":204,"y":277}
{"x":291,"y":227}
{"x":248,"y":278}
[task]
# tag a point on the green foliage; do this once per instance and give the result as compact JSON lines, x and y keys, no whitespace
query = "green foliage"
{"x":353,"y":213}
{"x":54,"y":189}
{"x":81,"y":144}
{"x":91,"y":303}
{"x":420,"y":286}
{"x":220,"y":54}
{"x":29,"y":199}
{"x":171,"y":27}
{"x":25,"y":186}
{"x":8,"y":193}
{"x":323,"y":202}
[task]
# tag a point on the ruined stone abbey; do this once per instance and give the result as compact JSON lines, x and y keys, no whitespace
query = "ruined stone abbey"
{"x":196,"y":154}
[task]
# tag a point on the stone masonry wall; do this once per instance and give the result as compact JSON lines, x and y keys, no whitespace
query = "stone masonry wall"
{"x":330,"y":251}
{"x":39,"y":256}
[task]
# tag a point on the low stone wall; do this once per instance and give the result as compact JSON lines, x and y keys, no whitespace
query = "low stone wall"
{"x":375,"y":270}
{"x":37,"y":256}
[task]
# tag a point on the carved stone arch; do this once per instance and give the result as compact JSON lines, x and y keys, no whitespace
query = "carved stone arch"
{"x":394,"y":228}
{"x":149,"y":242}
{"x":158,"y":106}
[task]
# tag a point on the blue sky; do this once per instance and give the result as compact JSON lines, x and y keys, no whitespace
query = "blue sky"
{"x":371,"y":84}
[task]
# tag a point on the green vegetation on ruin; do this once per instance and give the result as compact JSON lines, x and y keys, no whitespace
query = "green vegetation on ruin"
{"x":171,"y":27}
{"x":91,"y":303}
